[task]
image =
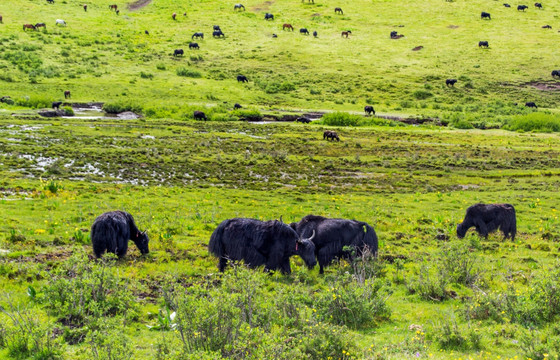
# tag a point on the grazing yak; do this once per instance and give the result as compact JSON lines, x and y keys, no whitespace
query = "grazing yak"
{"x":178,"y":52}
{"x":330,"y":134}
{"x":56,"y":104}
{"x":522,"y":7}
{"x":507,"y":5}
{"x":485,"y":15}
{"x":315,"y":34}
{"x":257,"y":243}
{"x":483,"y":44}
{"x":242,"y":78}
{"x":268,"y":16}
{"x":451,"y":82}
{"x":67,"y":94}
{"x":531,"y":104}
{"x":199,"y":115}
{"x":304,"y":31}
{"x":218,"y":33}
{"x":487,"y":218}
{"x":538,"y":5}
{"x":333,"y":235}
{"x":111,"y":232}
{"x":238,"y":7}
{"x":338,"y":11}
{"x":369,"y":110}
{"x":197,"y":35}
{"x":303,"y":120}
{"x":555,"y":73}
{"x":546,"y":27}
{"x":194,"y":45}
{"x":236,"y":106}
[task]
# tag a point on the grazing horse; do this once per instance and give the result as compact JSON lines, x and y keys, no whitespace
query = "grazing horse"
{"x":174,"y":16}
{"x":67,"y":94}
{"x":43,"y":25}
{"x":238,"y":7}
{"x":483,"y":44}
{"x":268,"y":16}
{"x":60,"y":22}
{"x":29,"y":26}
{"x":304,"y":31}
{"x":242,"y":78}
{"x":194,"y":45}
{"x":346,"y":33}
{"x":113,"y":7}
{"x":485,"y":15}
{"x":198,"y":35}
{"x":369,"y":110}
{"x":287,"y":26}
{"x":85,"y":7}
{"x":56,"y":104}
{"x":178,"y":52}
{"x":338,"y":11}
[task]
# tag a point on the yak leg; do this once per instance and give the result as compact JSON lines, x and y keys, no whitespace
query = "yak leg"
{"x":481,"y":227}
{"x":285,"y":267}
{"x":223,"y":263}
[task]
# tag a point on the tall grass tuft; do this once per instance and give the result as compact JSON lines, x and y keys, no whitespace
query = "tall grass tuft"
{"x":538,"y":122}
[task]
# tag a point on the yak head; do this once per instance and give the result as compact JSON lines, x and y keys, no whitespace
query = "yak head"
{"x":305,"y":248}
{"x":461,"y":230}
{"x":141,"y":240}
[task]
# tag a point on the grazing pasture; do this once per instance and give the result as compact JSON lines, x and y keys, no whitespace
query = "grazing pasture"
{"x":428,"y":294}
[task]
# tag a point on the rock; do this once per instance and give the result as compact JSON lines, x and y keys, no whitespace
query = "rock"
{"x":52,"y":113}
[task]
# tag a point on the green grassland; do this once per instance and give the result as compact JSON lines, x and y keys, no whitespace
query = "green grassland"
{"x":101,"y":56}
{"x":180,"y":180}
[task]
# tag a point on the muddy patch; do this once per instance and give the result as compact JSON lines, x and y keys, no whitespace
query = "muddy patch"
{"x":552,"y":86}
{"x":413,"y":120}
{"x":137,"y":5}
{"x":262,"y":7}
{"x":453,"y":27}
{"x":418,"y":48}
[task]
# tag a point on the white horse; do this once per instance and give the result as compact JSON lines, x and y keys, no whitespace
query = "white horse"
{"x":60,"y":22}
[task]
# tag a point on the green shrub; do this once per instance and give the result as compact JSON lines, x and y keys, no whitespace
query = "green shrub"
{"x":422,"y":94}
{"x":68,"y":111}
{"x":450,"y":336}
{"x":462,"y":124}
{"x":144,"y":75}
{"x":340,"y":119}
{"x":188,"y":73}
{"x":536,"y":121}
{"x":34,"y":102}
{"x":429,"y":285}
{"x":248,"y":114}
{"x":109,"y":341}
{"x":324,"y":341}
{"x":460,"y":263}
{"x":118,"y":107}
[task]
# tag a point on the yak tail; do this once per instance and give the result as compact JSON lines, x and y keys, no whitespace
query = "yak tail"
{"x":370,"y":238}
{"x":216,"y":246}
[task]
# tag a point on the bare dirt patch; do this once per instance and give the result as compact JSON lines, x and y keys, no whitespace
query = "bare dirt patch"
{"x":261,"y":7}
{"x":453,"y":27}
{"x":418,"y":48}
{"x":137,"y":5}
{"x":552,"y":86}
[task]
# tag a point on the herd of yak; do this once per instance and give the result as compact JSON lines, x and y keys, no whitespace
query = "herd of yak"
{"x":272,"y":243}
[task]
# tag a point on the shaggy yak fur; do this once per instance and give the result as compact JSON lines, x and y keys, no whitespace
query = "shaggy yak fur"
{"x":487,"y":218}
{"x":332,"y":235}
{"x":269,"y":243}
{"x":111,"y":232}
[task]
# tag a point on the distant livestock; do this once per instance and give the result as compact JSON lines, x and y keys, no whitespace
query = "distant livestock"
{"x":315,"y":34}
{"x":29,"y":26}
{"x":483,"y":44}
{"x":60,"y":22}
{"x":538,"y":5}
{"x":507,"y":5}
{"x":85,"y":7}
{"x":238,"y":7}
{"x":547,"y":27}
{"x":199,"y":115}
{"x":531,"y":104}
{"x":67,"y":94}
{"x":236,"y":106}
{"x":337,"y":238}
{"x":56,"y":104}
{"x":450,"y":82}
{"x":174,"y":16}
{"x":487,"y":218}
{"x":369,"y":110}
{"x":287,"y":26}
{"x":216,"y":27}
{"x":555,"y":73}
{"x":111,"y":231}
{"x":346,"y":34}
{"x":194,"y":45}
{"x":309,"y":1}
{"x":303,"y":31}
{"x":522,"y":7}
{"x":330,"y":134}
{"x":338,"y":11}
{"x":43,"y":25}
{"x":268,"y":16}
{"x":485,"y":15}
{"x":178,"y":52}
{"x":258,"y":243}
{"x":218,"y":33}
{"x":242,"y":78}
{"x":395,"y":35}
{"x":303,"y":120}
{"x":113,"y":7}
{"x":50,"y":1}
{"x":1,"y":20}
{"x":198,"y":35}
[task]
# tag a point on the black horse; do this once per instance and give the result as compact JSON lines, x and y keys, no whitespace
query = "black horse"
{"x":194,"y":45}
{"x":198,"y":35}
{"x":238,"y":7}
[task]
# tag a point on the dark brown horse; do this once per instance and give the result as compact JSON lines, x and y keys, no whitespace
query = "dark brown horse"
{"x":338,"y":11}
{"x":67,"y":94}
{"x":85,"y":7}
{"x":38,"y":25}
{"x":29,"y":26}
{"x":287,"y":26}
{"x":174,"y":16}
{"x":113,"y":7}
{"x":346,"y":33}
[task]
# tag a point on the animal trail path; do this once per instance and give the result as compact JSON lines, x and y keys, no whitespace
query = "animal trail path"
{"x":137,"y":5}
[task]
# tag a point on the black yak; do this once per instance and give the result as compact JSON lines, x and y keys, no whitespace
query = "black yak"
{"x":56,"y":104}
{"x":450,"y":82}
{"x":197,"y":35}
{"x":268,"y":243}
{"x":178,"y":52}
{"x":485,"y":15}
{"x":555,"y":73}
{"x":487,"y":218}
{"x":242,"y":78}
{"x":194,"y":45}
{"x":483,"y":44}
{"x":369,"y":110}
{"x":303,"y":120}
{"x":236,"y":106}
{"x":333,"y":235}
{"x":330,"y":134}
{"x":522,"y":7}
{"x":111,"y":232}
{"x":268,"y":16}
{"x":531,"y":104}
{"x":199,"y":115}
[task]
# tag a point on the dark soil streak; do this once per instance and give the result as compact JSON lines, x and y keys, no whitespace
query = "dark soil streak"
{"x":137,"y":5}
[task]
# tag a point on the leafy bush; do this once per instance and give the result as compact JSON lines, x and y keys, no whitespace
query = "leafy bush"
{"x":119,"y":107}
{"x":340,"y":119}
{"x":34,"y":102}
{"x":248,"y":114}
{"x":422,"y":94}
{"x":536,"y":121}
{"x":460,"y":263}
{"x":189,"y":73}
{"x":462,"y":124}
{"x":428,"y":285}
{"x":144,"y":75}
{"x":68,"y":111}
{"x":450,"y":336}
{"x":109,"y":342}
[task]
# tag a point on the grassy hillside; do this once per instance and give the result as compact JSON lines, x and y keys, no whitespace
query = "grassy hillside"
{"x":101,"y":56}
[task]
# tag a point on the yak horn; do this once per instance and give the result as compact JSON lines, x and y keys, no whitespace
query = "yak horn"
{"x":281,"y":219}
{"x":312,"y":236}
